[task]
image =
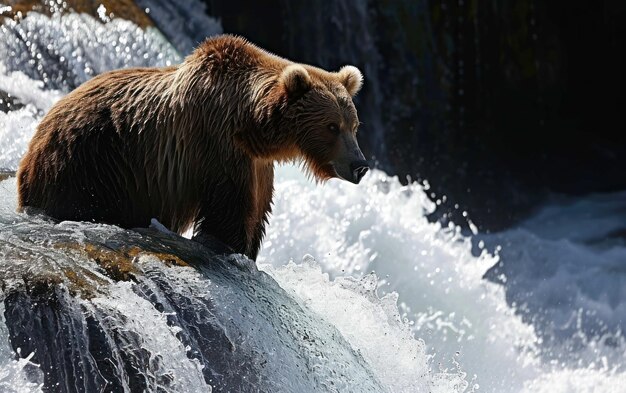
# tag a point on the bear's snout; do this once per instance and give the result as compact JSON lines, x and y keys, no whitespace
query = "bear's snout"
{"x":350,"y":164}
{"x":359,"y":169}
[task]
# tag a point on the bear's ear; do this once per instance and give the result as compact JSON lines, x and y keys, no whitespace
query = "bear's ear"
{"x":351,"y":78}
{"x":296,"y":80}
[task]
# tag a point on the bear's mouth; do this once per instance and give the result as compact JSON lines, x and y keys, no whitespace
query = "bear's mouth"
{"x":352,"y":171}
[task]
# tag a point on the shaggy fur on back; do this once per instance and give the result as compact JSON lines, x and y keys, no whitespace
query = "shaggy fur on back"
{"x":191,"y":145}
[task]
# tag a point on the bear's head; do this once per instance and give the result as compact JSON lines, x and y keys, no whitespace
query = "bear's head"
{"x":323,"y":121}
{"x":313,"y":119}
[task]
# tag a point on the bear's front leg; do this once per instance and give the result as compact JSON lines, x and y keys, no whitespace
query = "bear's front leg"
{"x":222,"y":229}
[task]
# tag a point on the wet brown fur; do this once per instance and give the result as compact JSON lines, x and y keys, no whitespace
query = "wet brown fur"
{"x":189,"y":145}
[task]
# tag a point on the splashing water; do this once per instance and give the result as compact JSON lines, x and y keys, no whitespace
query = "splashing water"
{"x":382,"y":226}
{"x":17,"y":127}
{"x":65,"y":50}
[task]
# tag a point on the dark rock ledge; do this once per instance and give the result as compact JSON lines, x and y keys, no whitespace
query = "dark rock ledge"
{"x":103,"y":309}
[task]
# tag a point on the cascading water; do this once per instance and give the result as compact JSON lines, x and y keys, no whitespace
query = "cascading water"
{"x":302,"y":326}
{"x":439,"y":276}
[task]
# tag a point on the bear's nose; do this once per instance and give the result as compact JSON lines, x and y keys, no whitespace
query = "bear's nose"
{"x":359,"y":169}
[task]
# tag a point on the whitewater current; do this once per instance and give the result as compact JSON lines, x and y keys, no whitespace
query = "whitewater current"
{"x":537,"y":308}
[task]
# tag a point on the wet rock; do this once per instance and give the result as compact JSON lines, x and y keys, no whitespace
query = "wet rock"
{"x":105,"y":309}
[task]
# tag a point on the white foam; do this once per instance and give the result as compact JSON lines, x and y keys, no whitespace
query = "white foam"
{"x":381,"y":226}
{"x":17,"y":127}
{"x":16,"y":130}
{"x":372,"y":326}
{"x":27,"y":90}
{"x":67,"y":49}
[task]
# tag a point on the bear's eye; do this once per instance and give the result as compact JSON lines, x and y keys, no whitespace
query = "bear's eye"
{"x":334,"y":128}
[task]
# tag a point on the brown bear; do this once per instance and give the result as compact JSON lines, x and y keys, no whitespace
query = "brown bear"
{"x":192,"y":145}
